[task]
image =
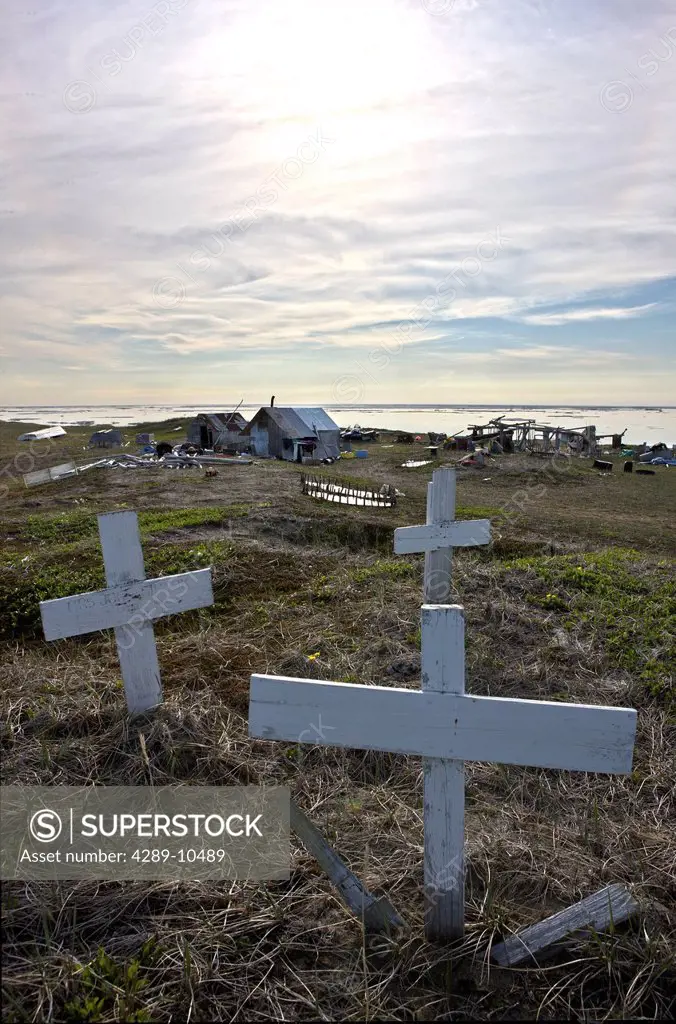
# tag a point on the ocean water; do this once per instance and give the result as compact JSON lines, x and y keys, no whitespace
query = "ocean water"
{"x":642,"y":423}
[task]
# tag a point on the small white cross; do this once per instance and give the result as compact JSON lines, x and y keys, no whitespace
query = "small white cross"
{"x":446,"y":726}
{"x":441,"y":534}
{"x":129,"y":606}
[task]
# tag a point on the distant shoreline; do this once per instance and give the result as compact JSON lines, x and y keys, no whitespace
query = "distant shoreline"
{"x":650,"y":424}
{"x":212,"y":406}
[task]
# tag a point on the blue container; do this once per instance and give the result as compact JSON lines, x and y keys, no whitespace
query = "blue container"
{"x":361,"y":454}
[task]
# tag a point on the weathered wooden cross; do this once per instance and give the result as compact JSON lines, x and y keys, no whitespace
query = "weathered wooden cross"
{"x":443,"y":779}
{"x":440,"y":535}
{"x":447,"y":726}
{"x":129,"y":606}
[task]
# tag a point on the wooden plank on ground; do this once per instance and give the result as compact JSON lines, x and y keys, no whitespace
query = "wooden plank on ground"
{"x":598,"y":912}
{"x":377,"y":913}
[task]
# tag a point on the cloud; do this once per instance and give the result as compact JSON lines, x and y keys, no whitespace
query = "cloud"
{"x":167,"y":206}
{"x":572,"y":315}
{"x":555,"y":357}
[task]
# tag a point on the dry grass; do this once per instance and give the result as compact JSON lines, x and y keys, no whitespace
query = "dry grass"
{"x":296,"y":579}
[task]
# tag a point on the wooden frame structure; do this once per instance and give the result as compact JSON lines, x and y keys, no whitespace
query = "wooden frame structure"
{"x":347,"y":494}
{"x":540,"y":438}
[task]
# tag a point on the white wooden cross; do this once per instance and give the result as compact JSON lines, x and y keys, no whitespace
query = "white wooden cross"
{"x":441,"y":722}
{"x":444,"y":780}
{"x":440,"y":535}
{"x":129,"y":606}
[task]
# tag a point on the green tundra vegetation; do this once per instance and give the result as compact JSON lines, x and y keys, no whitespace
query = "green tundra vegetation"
{"x":574,"y":599}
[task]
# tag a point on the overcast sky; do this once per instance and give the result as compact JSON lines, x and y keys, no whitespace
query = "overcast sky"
{"x":347,"y":201}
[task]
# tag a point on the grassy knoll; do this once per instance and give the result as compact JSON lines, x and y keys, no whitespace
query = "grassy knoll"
{"x":574,"y":600}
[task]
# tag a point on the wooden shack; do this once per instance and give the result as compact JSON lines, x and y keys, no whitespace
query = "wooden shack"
{"x":293,"y":433}
{"x":216,"y":430}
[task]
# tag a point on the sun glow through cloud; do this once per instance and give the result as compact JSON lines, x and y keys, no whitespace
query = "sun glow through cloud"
{"x":286,"y":190}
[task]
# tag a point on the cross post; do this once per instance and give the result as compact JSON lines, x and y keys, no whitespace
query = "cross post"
{"x":129,"y":605}
{"x":443,"y":671}
{"x":444,"y":780}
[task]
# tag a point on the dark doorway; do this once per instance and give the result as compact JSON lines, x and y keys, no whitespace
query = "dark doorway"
{"x":204,"y":436}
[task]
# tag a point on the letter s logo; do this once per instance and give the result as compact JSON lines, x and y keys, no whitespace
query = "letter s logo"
{"x":45,"y":826}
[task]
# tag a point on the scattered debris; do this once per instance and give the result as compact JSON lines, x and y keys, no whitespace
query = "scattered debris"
{"x":646,"y":472}
{"x":415,"y":463}
{"x":205,"y":459}
{"x":127,"y":461}
{"x":357,"y":434}
{"x":42,"y":435}
{"x":122,"y":461}
{"x":211,"y":471}
{"x":601,"y":911}
{"x":45,"y":476}
{"x":476,"y":460}
{"x":654,"y":451}
{"x":607,"y":467}
{"x":458,"y":444}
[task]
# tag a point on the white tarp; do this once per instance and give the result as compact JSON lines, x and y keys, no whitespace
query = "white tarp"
{"x":41,"y":435}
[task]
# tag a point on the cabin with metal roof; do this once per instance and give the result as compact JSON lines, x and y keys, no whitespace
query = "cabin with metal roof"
{"x":294,"y":433}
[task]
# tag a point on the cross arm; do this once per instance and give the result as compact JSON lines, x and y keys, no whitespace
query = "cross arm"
{"x":455,"y":534}
{"x":128,"y":604}
{"x":542,"y":734}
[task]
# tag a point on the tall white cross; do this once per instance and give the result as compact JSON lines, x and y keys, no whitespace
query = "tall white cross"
{"x":129,"y":606}
{"x":440,"y":535}
{"x":443,"y":723}
{"x":444,"y":780}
